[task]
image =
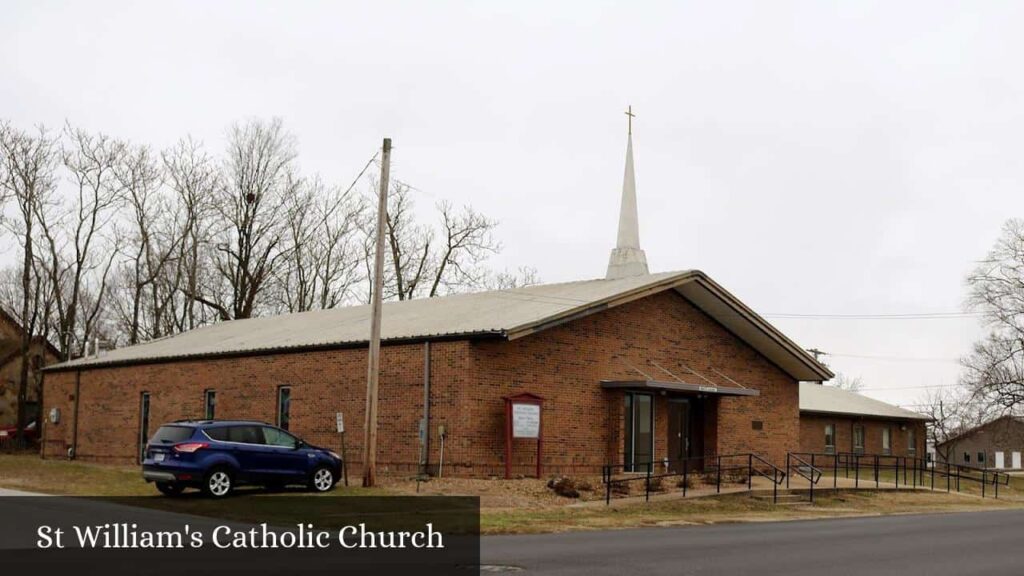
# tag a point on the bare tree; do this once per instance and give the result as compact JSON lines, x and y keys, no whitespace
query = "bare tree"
{"x":468,"y":241}
{"x":81,"y":245}
{"x":421,"y":265}
{"x":152,"y":245}
{"x":409,"y":245}
{"x":259,"y":178}
{"x":848,"y":383}
{"x":322,"y":247}
{"x":193,"y":176}
{"x":506,"y":280}
{"x":994,"y":371}
{"x":952,"y":412}
{"x":27,"y":165}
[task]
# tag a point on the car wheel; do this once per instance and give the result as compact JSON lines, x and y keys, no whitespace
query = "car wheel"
{"x":169,"y":488}
{"x":322,"y":479}
{"x":218,"y":483}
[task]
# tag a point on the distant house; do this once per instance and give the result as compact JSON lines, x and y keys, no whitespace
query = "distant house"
{"x":996,"y":444}
{"x":835,"y":420}
{"x":41,"y":354}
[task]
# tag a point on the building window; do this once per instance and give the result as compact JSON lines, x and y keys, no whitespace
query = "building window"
{"x":911,"y":441}
{"x":143,"y":424}
{"x":211,"y":404}
{"x":639,"y":432}
{"x":858,"y":438}
{"x":981,"y":458}
{"x":830,"y":438}
{"x":886,"y":441}
{"x":967,"y":458}
{"x":284,"y":406}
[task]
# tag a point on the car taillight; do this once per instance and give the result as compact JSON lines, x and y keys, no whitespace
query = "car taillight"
{"x":189,"y":447}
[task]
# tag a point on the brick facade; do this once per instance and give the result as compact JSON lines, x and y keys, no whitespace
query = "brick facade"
{"x":978,"y":446}
{"x":582,"y":423}
{"x":812,"y":434}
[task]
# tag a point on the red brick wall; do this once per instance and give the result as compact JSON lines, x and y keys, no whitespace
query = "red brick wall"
{"x":582,"y":422}
{"x":322,"y":384}
{"x":812,"y":434}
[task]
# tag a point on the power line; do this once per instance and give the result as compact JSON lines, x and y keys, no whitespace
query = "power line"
{"x":900,"y":316}
{"x":924,"y":386}
{"x":893,"y":358}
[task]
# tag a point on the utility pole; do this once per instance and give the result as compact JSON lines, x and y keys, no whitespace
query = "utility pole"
{"x":370,"y":434}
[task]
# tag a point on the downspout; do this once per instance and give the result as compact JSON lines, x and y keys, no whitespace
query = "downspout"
{"x":73,"y":452}
{"x":425,"y":423}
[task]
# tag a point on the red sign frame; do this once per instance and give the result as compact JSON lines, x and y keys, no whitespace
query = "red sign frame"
{"x":524,"y":398}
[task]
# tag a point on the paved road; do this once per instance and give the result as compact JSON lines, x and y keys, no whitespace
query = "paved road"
{"x":964,"y":544}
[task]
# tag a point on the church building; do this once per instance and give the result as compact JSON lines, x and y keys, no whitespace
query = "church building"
{"x":630,"y":369}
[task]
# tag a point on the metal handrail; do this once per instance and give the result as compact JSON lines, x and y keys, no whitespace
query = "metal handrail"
{"x":915,"y":471}
{"x":812,"y":478}
{"x":647,"y":473}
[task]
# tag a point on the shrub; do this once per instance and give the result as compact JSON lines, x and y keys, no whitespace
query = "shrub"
{"x":621,"y":488}
{"x":564,"y":486}
{"x":686,"y":481}
{"x":657,"y":484}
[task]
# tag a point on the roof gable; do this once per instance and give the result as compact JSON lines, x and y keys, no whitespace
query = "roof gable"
{"x":1009,"y":420}
{"x":508,"y":314}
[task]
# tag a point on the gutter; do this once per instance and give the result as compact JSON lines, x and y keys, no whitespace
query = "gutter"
{"x":923,"y":418}
{"x":425,"y":423}
{"x":73,"y":451}
{"x":80,"y":366}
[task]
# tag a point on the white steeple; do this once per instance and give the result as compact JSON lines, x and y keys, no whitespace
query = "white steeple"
{"x":627,"y":258}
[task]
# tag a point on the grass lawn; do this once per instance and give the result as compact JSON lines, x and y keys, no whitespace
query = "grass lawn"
{"x":514,"y":506}
{"x":732,"y":508}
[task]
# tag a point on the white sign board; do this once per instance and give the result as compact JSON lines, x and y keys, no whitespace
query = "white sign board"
{"x":525,"y":421}
{"x":341,"y":423}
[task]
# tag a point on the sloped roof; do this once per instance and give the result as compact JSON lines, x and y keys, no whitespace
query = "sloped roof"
{"x":507,"y":314}
{"x":831,"y":400}
{"x":1008,"y":419}
{"x":10,"y":348}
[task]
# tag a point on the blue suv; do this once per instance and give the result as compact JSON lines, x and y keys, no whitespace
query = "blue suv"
{"x":217,"y":455}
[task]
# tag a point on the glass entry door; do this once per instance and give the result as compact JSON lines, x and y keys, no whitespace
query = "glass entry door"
{"x":639,"y":441}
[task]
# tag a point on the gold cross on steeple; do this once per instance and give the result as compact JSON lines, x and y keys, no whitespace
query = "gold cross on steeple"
{"x":629,"y":113}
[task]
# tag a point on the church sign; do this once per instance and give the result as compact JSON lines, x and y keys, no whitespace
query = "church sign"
{"x":523,"y":421}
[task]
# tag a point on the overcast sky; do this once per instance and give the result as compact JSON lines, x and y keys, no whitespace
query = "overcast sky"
{"x":816,"y":158}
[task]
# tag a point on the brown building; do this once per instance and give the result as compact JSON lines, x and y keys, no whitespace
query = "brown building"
{"x":833,"y":420}
{"x":996,"y":444}
{"x":635,"y":369}
{"x":41,"y":353}
{"x":631,"y":370}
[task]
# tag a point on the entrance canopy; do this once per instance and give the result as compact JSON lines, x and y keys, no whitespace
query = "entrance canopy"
{"x":677,"y":387}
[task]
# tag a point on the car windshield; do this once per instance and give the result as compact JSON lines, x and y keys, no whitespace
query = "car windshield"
{"x":171,"y":434}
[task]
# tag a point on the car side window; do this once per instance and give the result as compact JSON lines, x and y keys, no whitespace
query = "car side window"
{"x":245,"y":434}
{"x":276,"y":437}
{"x":220,"y":434}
